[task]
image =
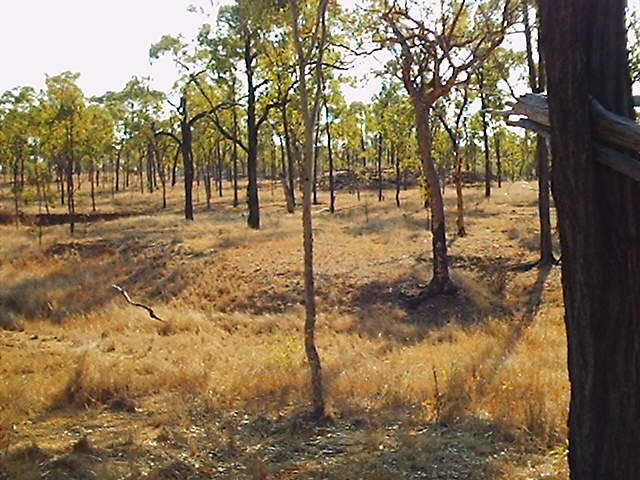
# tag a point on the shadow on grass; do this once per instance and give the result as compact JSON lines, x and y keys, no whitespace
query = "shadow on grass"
{"x":240,"y":446}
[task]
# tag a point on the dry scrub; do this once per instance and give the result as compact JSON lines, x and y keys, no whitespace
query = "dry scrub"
{"x":485,"y":368}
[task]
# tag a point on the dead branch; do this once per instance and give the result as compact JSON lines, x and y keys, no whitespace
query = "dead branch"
{"x":126,"y":296}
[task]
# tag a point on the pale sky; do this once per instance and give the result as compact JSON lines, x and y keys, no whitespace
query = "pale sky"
{"x":106,"y":41}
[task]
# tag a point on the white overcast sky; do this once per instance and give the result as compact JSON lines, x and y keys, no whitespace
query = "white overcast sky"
{"x":106,"y":41}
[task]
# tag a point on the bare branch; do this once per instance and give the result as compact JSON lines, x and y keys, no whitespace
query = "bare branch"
{"x":126,"y":296}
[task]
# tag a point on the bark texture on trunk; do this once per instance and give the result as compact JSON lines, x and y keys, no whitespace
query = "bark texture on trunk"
{"x":440,"y":282}
{"x":599,"y":217}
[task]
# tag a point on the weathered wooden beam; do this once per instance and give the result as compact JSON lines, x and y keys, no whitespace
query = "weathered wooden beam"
{"x":614,"y":159}
{"x":608,"y":127}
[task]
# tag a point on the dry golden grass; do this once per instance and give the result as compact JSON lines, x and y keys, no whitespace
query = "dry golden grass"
{"x":474,"y":384}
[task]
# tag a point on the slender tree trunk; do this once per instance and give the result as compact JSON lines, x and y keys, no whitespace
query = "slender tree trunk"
{"x":542,"y":165}
{"x":71,"y":204}
{"x":485,"y":134}
{"x":253,"y":201}
{"x":221,"y":156}
{"x":309,"y":115}
{"x":290,"y":159}
{"x":93,"y":190}
{"x":462,"y":232}
{"x":187,"y":160}
{"x":207,"y":182}
{"x":379,"y":165}
{"x":235,"y":159}
{"x":440,"y":282}
{"x":288,"y":197}
{"x":316,"y":151}
{"x":536,"y":83}
{"x":599,"y":219}
{"x":498,"y":160}
{"x":396,"y":161}
{"x":117,"y":169}
{"x":332,"y":186}
{"x":16,"y":190}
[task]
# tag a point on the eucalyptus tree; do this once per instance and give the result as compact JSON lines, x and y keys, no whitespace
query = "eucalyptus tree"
{"x":95,"y":141}
{"x":16,"y":134}
{"x":190,"y":87}
{"x":133,"y":110}
{"x":68,"y":104}
{"x":453,"y":125}
{"x":309,"y":56}
{"x":243,"y":36}
{"x":437,"y":48}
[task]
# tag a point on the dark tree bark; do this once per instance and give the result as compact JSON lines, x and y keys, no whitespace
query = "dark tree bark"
{"x":440,"y":283}
{"x":93,"y":189}
{"x":485,"y":137}
{"x":235,"y":158}
{"x":253,"y":201}
{"x":498,"y":160}
{"x":332,"y":186}
{"x":117,"y":168}
{"x":290,"y":158}
{"x":379,"y":167}
{"x":599,"y":217}
{"x":396,"y":161}
{"x":186,"y":146}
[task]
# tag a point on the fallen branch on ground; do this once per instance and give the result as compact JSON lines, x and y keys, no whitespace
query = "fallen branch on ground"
{"x":126,"y":296}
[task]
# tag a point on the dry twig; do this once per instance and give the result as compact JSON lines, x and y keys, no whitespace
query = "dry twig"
{"x":126,"y":296}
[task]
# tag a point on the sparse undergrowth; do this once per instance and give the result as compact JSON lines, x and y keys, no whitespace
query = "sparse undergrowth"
{"x":468,"y":386}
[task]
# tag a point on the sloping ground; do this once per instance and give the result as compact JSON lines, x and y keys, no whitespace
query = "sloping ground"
{"x":470,"y":386}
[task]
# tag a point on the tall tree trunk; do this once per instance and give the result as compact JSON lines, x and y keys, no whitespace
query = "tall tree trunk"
{"x":235,"y":158}
{"x":207,"y":182}
{"x":71,"y":204}
{"x":187,"y":159}
{"x":332,"y":186}
{"x":309,"y":115}
{"x":542,"y":167}
{"x":253,"y":201}
{"x":221,"y":156}
{"x":396,"y":161}
{"x":288,"y":197}
{"x":93,"y":189}
{"x":498,"y":160}
{"x":117,"y":168}
{"x":599,"y":217}
{"x":485,"y":134}
{"x":440,"y":282}
{"x":462,"y":232}
{"x":16,"y":190}
{"x":536,"y":83}
{"x":290,"y":157}
{"x":379,"y":165}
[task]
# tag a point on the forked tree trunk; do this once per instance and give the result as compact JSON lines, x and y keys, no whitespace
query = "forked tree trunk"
{"x":599,"y":217}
